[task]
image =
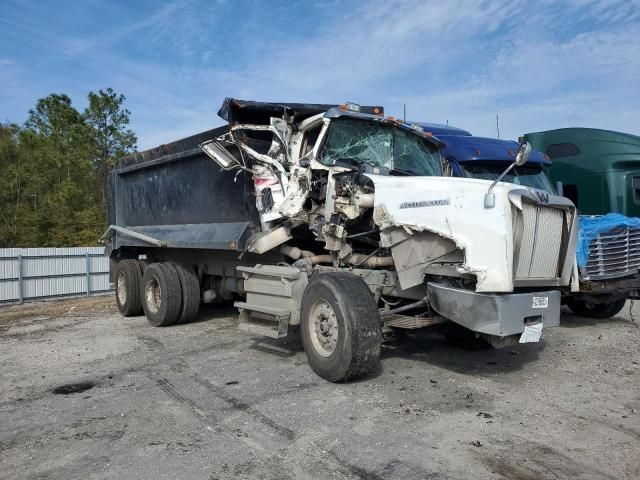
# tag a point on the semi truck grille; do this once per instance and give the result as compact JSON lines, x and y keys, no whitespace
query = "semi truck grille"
{"x":539,"y":231}
{"x":615,"y":253}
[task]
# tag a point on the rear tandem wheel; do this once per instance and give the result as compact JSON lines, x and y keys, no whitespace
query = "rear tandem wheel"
{"x":128,"y":285}
{"x":190,"y":287}
{"x":161,"y":294}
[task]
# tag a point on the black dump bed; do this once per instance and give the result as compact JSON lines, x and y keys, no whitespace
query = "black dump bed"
{"x":177,"y":195}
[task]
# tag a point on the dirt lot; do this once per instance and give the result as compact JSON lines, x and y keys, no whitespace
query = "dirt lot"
{"x":205,"y":401}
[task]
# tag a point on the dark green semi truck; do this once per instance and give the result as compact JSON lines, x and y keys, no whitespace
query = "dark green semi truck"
{"x":599,"y":169}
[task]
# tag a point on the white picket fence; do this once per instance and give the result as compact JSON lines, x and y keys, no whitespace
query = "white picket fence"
{"x":33,"y":273}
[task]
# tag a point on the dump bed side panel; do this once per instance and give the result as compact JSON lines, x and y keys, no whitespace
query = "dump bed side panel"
{"x":177,"y":194}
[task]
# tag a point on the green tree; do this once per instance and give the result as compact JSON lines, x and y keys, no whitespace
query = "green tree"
{"x":53,"y":170}
{"x":11,"y":183}
{"x":112,"y":139}
{"x":62,"y":184}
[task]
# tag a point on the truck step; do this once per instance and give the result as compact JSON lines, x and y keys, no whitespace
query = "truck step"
{"x":273,"y":294}
{"x":261,"y":320}
{"x":275,"y":312}
{"x":262,"y":329}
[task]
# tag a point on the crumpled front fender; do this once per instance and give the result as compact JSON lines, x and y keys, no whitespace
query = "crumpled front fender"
{"x":454,"y":209}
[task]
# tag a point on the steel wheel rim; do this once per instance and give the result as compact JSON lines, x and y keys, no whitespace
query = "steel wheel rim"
{"x":153,"y":295}
{"x":323,"y":328}
{"x":122,"y":289}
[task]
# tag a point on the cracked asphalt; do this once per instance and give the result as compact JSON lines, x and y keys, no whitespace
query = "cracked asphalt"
{"x":206,"y":401}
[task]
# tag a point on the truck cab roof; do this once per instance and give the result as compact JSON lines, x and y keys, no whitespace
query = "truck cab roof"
{"x":462,"y":146}
{"x":592,"y":148}
{"x":470,"y":149}
{"x":439,"y":129}
{"x":234,"y":110}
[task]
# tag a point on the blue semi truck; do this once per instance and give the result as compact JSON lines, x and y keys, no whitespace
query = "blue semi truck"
{"x":605,"y":251}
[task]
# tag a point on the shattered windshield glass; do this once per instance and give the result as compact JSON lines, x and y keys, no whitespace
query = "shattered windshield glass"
{"x":415,"y":155}
{"x":380,"y":145}
{"x":527,"y":175}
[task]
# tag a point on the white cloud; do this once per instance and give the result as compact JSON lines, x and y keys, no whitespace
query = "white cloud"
{"x":378,"y":41}
{"x":558,"y":64}
{"x":536,"y":75}
{"x":539,"y":82}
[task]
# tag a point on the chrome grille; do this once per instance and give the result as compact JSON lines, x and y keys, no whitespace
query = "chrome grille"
{"x":615,"y":253}
{"x":539,"y":232}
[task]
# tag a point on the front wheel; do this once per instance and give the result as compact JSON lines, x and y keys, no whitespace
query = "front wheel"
{"x":341,"y":327}
{"x":596,"y":310}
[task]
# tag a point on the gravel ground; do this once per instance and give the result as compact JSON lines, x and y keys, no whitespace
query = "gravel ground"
{"x":206,"y":401}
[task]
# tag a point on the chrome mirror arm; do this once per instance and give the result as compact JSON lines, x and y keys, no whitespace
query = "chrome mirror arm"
{"x":507,"y":170}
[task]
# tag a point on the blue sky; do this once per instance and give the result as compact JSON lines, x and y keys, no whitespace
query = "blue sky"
{"x":537,"y":64}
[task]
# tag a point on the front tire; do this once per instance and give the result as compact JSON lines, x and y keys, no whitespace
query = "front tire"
{"x":161,"y":294}
{"x":596,"y":310}
{"x":128,"y":285}
{"x":341,"y":327}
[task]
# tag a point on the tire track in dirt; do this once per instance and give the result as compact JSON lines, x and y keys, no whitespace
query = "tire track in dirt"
{"x":329,"y":461}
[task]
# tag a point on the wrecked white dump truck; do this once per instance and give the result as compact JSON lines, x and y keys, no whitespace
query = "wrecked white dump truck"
{"x":339,"y":221}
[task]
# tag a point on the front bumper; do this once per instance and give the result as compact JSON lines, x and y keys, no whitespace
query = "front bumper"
{"x":617,"y":286}
{"x":498,"y":314}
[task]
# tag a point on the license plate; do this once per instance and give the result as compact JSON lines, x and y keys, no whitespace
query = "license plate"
{"x":540,"y":302}
{"x":531,"y":333}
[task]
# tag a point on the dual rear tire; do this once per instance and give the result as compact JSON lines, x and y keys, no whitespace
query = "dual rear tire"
{"x":128,"y":285}
{"x":167,"y":293}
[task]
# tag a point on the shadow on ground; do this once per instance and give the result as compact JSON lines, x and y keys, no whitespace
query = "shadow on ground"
{"x":570,"y":320}
{"x":432,"y":348}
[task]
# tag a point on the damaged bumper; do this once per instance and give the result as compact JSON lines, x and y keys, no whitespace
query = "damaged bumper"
{"x":617,"y":286}
{"x":497,"y":314}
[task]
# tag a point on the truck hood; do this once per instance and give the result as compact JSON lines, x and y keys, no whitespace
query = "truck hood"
{"x":454,"y":209}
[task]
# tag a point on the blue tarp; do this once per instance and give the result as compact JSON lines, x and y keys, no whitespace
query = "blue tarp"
{"x":591,"y":226}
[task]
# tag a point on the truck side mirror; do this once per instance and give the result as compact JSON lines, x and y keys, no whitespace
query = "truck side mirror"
{"x":522,"y":157}
{"x":523,"y":153}
{"x":560,"y":189}
{"x":216,"y":152}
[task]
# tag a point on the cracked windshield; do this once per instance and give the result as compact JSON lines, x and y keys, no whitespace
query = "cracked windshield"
{"x":380,"y":145}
